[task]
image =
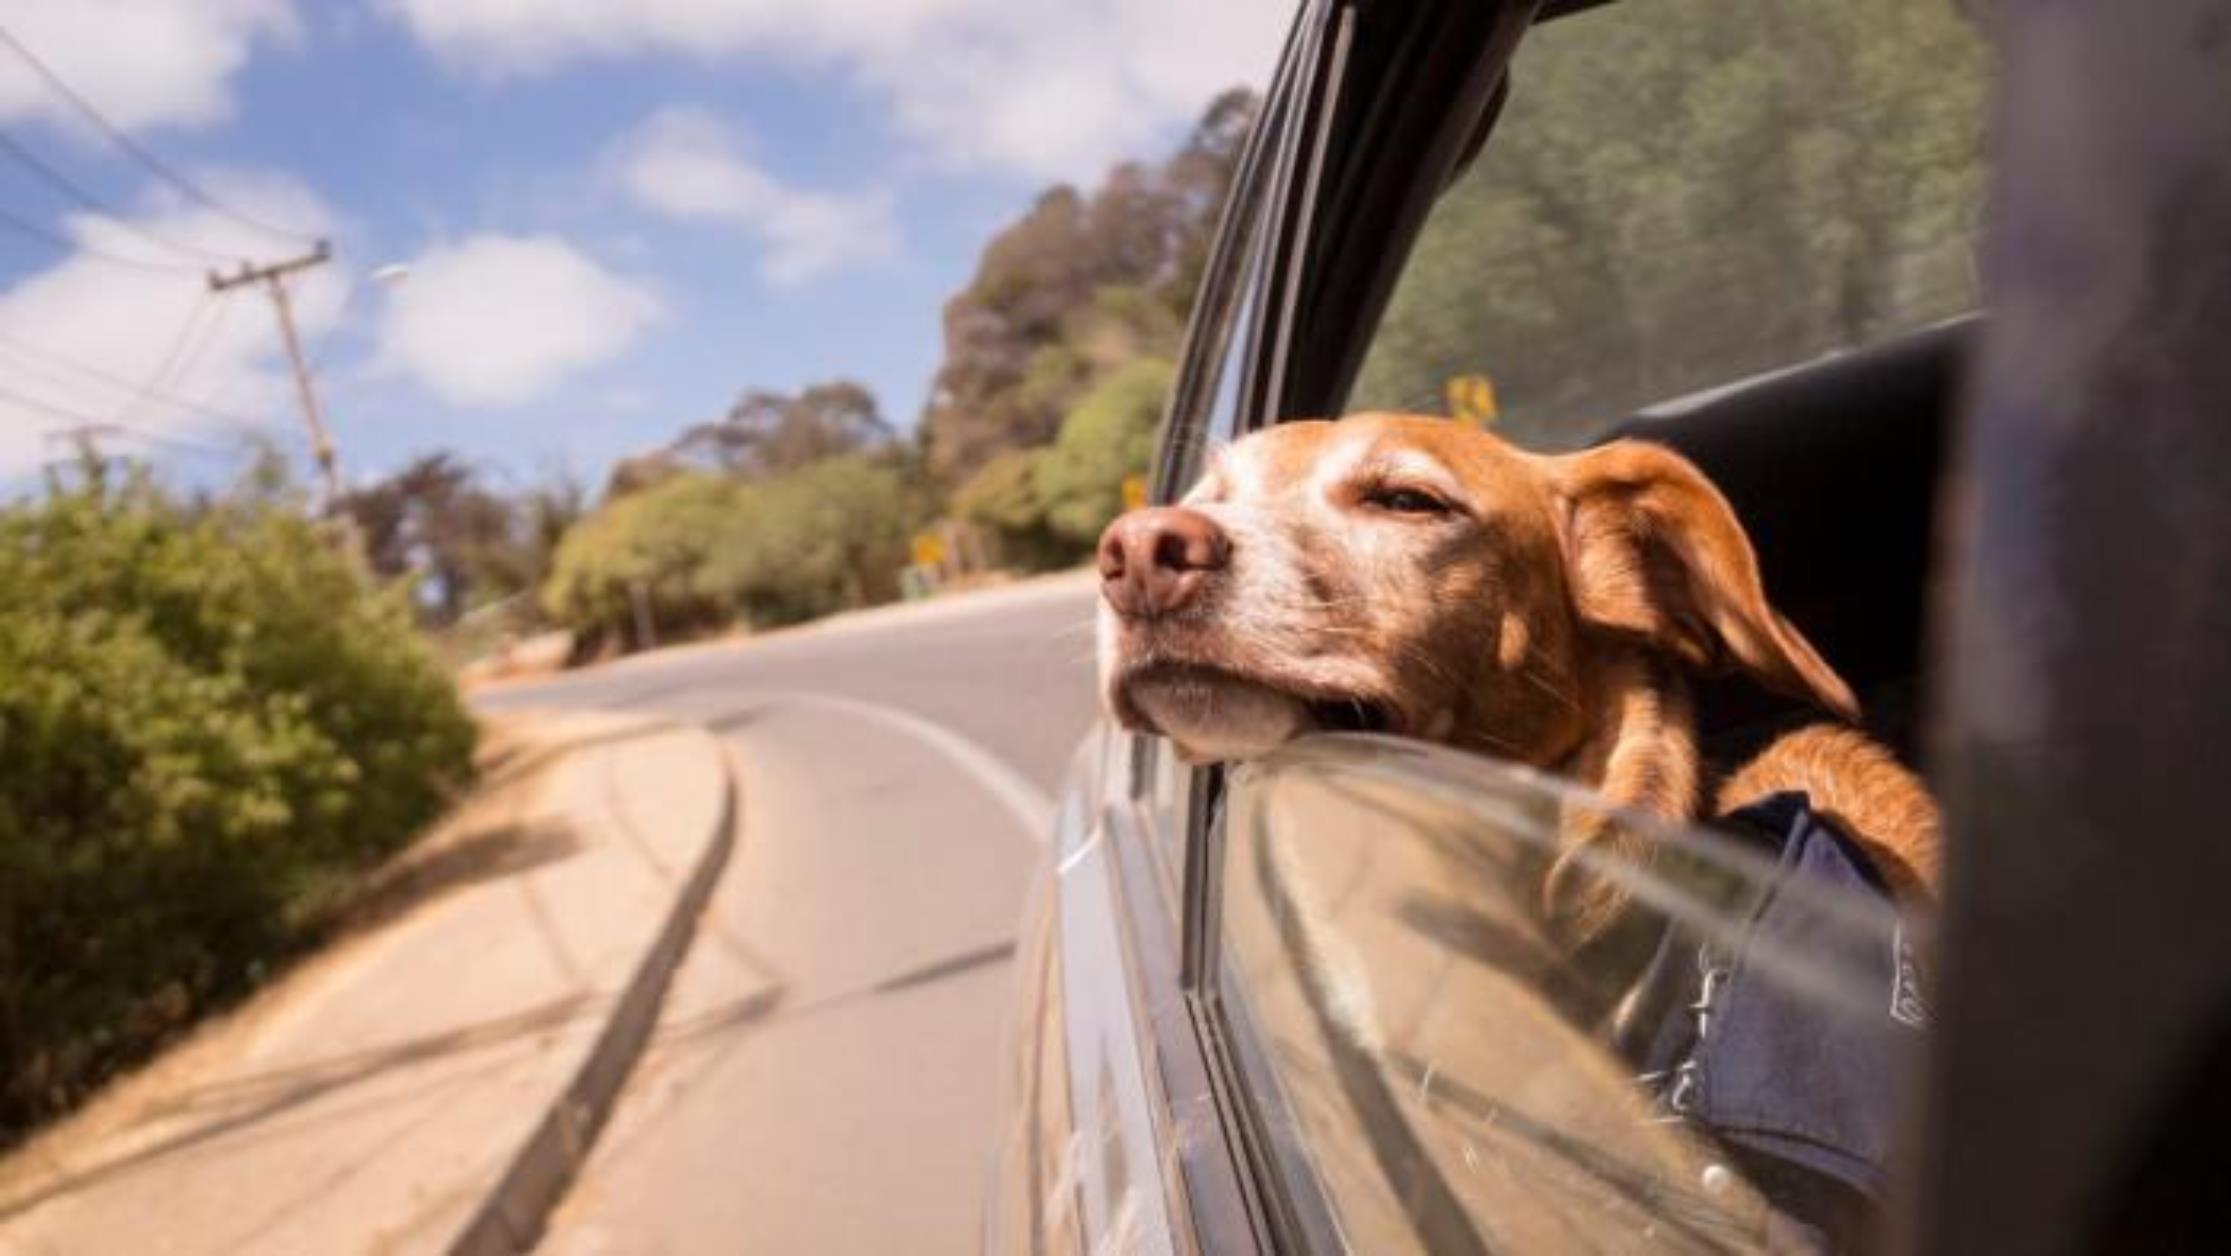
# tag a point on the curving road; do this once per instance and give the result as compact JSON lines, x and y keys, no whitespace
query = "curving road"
{"x":826,"y":1073}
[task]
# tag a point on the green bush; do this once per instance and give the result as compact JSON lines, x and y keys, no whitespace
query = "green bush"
{"x":210,"y":718}
{"x":652,"y":543}
{"x":1003,"y":498}
{"x":1110,"y":435}
{"x":1047,"y":505}
{"x":827,"y":537}
{"x":705,"y":549}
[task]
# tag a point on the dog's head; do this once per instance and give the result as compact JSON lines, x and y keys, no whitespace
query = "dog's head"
{"x":1417,"y":576}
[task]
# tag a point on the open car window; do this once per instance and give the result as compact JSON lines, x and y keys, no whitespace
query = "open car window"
{"x":1686,"y":193}
{"x":1448,"y":1072}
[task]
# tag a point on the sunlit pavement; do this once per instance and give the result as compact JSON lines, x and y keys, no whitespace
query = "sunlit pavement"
{"x":826,"y":1070}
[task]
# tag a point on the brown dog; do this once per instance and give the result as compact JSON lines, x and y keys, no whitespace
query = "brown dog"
{"x":1420,"y":577}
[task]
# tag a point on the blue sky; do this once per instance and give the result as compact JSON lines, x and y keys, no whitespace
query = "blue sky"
{"x":615,"y":214}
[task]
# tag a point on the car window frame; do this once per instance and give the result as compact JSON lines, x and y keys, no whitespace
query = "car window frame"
{"x":1222,"y":1203}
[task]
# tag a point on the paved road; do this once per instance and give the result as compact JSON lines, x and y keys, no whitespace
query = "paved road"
{"x":826,"y":1073}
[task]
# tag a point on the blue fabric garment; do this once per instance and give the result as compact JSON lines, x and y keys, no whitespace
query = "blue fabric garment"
{"x":1802,"y":1095}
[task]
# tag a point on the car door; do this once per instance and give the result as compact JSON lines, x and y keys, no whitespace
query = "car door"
{"x":1416,"y":1065}
{"x":1209,"y":1054}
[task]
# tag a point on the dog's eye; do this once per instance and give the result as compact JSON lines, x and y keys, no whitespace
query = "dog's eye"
{"x":1405,"y":501}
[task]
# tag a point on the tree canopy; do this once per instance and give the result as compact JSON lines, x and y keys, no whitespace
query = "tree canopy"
{"x":766,"y":433}
{"x":1075,"y":288}
{"x":701,"y":549}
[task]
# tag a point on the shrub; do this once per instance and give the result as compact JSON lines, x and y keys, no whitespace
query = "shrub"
{"x":827,"y":537}
{"x":1047,"y":505}
{"x":1003,"y":498}
{"x":210,"y":718}
{"x":653,"y":542}
{"x":704,"y":549}
{"x":1110,"y":435}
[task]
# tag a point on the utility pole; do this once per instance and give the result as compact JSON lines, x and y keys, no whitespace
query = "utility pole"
{"x":86,"y":438}
{"x":273,"y":278}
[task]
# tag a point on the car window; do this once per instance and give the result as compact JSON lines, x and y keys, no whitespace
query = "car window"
{"x":1221,"y":342}
{"x":1450,"y":1073}
{"x":1218,"y":353}
{"x":1687,"y":193}
{"x":1172,"y":782}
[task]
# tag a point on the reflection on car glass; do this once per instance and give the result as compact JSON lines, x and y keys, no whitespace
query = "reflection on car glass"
{"x":1679,"y":195}
{"x":1719,"y":1076}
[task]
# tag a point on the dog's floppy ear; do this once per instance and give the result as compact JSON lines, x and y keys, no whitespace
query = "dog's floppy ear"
{"x":1655,"y":553}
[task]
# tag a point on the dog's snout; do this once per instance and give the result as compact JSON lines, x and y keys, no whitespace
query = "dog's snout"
{"x":1154,"y":561}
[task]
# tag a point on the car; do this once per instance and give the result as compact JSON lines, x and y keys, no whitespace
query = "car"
{"x":1302,"y":1004}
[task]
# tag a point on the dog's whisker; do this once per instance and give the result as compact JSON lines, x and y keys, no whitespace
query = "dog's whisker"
{"x":1533,"y":675}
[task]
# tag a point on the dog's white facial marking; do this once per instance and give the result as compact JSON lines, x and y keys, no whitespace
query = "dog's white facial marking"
{"x":1213,"y":721}
{"x":1339,"y":464}
{"x":1211,"y":486}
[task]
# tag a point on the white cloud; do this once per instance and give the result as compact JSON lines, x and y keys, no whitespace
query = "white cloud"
{"x":495,"y":319}
{"x":682,"y":163}
{"x":78,"y":339}
{"x":1048,"y":88}
{"x":142,"y":63}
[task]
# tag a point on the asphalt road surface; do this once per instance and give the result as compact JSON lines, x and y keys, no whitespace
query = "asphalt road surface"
{"x":827,"y":1070}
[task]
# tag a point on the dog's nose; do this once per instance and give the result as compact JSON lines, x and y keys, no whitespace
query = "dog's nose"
{"x":1154,"y":561}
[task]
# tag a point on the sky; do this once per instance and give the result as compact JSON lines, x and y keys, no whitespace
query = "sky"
{"x":562,"y":230}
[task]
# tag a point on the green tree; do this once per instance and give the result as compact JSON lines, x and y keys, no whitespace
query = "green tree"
{"x":1002,"y":498}
{"x":1110,"y":435}
{"x":766,"y":433}
{"x":651,"y":545}
{"x":1077,"y":286}
{"x":829,"y":536}
{"x":702,"y":550}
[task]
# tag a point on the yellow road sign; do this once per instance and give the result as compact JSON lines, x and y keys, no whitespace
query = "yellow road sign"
{"x":1134,"y":491}
{"x":1472,"y":398}
{"x":929,"y":550}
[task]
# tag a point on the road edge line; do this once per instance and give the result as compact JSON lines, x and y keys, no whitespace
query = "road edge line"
{"x":512,"y":1218}
{"x":1029,"y":805}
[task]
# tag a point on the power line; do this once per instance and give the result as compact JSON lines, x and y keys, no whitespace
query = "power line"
{"x":120,"y":383}
{"x":161,"y":373}
{"x":69,"y":187}
{"x":81,"y":419}
{"x":139,"y":152}
{"x":25,"y":226}
{"x":193,"y":340}
{"x":166,"y":366}
{"x":211,"y":334}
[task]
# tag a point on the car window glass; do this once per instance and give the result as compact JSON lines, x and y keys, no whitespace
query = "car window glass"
{"x":1224,"y":347}
{"x":1168,"y":784}
{"x":1686,"y":193}
{"x":1168,"y":790}
{"x":1452,"y":1073}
